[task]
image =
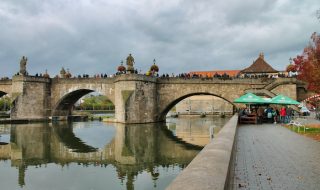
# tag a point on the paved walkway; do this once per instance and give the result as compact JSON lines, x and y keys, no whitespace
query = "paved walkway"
{"x":272,"y":157}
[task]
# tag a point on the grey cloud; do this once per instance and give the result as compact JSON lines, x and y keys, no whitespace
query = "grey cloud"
{"x":94,"y":36}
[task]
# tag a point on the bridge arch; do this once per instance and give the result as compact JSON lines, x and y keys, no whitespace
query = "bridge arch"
{"x":64,"y":105}
{"x":174,"y":102}
{"x":66,"y":136}
{"x":2,"y":93}
{"x":9,"y":102}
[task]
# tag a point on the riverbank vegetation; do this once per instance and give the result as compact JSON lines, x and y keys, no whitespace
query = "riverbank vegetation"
{"x":95,"y":103}
{"x":311,"y":130}
{"x":5,"y":103}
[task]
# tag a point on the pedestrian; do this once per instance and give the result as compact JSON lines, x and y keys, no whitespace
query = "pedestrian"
{"x":289,"y":113}
{"x":260,"y":113}
{"x":283,"y":114}
{"x":274,"y":115}
{"x":268,"y":112}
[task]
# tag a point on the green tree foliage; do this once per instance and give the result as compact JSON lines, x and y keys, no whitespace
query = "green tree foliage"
{"x":308,"y":64}
{"x":5,"y":103}
{"x":96,"y":103}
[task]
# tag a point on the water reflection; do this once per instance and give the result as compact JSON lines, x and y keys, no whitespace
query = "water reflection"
{"x":196,"y":131}
{"x":120,"y":156}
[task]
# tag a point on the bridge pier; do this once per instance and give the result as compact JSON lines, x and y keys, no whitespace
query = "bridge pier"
{"x":31,"y":97}
{"x":135,"y":99}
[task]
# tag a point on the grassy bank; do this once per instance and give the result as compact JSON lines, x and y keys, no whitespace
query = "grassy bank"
{"x":311,"y":130}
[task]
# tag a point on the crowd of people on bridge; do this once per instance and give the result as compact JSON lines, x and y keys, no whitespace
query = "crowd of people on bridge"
{"x":4,"y":78}
{"x":224,"y":76}
{"x":181,"y":75}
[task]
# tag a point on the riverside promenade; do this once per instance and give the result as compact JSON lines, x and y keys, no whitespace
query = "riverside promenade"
{"x":270,"y":156}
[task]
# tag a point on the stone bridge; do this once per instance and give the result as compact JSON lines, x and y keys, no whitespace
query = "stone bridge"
{"x":5,"y":87}
{"x":137,"y":98}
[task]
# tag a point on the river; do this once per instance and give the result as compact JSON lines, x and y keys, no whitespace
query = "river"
{"x":96,"y":155}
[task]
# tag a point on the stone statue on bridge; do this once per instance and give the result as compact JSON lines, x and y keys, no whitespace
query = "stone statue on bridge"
{"x":130,"y":62}
{"x":23,"y":65}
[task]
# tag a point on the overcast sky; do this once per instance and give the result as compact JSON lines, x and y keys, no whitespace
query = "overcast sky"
{"x":93,"y":36}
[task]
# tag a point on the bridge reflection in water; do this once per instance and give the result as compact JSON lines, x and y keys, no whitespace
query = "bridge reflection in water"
{"x":195,"y":131}
{"x":130,"y":150}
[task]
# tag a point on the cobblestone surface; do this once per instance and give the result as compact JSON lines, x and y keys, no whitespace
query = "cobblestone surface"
{"x":272,"y":157}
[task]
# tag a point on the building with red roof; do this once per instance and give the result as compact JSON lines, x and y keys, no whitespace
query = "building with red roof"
{"x":259,"y":67}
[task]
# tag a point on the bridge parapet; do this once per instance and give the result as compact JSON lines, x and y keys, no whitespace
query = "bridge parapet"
{"x":135,"y":77}
{"x":83,"y":80}
{"x":6,"y":82}
{"x":258,"y":81}
{"x":281,"y":81}
{"x":21,"y":78}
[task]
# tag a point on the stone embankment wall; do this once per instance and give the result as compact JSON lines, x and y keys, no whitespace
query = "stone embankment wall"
{"x":210,"y":168}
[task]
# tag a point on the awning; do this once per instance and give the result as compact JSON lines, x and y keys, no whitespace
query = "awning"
{"x":284,"y":100}
{"x":250,"y":98}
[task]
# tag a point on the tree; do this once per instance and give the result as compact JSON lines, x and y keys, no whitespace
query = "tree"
{"x":97,"y":103}
{"x":308,"y":64}
{"x":5,"y":103}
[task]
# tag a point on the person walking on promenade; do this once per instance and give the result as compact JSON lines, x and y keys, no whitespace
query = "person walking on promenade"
{"x":283,"y":114}
{"x":289,"y":112}
{"x":268,"y":112}
{"x":275,"y":114}
{"x":260,"y":113}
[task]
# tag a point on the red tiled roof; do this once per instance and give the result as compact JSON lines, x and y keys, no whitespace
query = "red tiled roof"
{"x":259,"y":66}
{"x":231,"y":73}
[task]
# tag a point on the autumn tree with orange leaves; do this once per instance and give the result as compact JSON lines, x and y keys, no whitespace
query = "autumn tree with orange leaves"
{"x":308,"y":64}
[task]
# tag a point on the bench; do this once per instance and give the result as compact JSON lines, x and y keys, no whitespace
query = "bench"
{"x":298,"y":122}
{"x":248,"y":119}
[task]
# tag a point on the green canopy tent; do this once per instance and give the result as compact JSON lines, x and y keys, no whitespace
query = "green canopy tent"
{"x":283,"y":100}
{"x":250,"y":98}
